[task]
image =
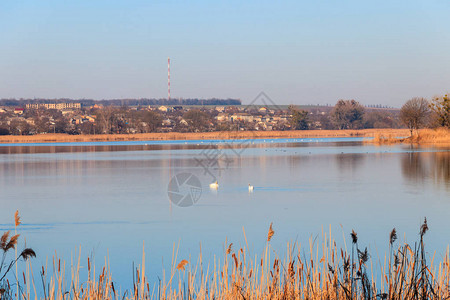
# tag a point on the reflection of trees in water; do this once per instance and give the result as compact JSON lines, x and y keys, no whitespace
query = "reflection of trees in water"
{"x":418,"y":166}
{"x":296,"y":160}
{"x":31,"y":149}
{"x":414,"y":166}
{"x":349,"y":162}
{"x":442,"y":167}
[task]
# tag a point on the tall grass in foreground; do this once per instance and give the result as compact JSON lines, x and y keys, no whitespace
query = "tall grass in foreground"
{"x":324,"y":271}
{"x":9,"y":242}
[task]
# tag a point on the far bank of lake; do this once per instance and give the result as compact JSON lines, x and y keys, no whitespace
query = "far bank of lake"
{"x":222,"y":135}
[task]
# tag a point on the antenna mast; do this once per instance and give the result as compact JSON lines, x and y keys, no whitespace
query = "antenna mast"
{"x":168,"y":78}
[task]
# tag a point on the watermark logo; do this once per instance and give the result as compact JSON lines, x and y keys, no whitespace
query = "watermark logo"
{"x":184,"y":189}
{"x":262,"y":100}
{"x":214,"y":158}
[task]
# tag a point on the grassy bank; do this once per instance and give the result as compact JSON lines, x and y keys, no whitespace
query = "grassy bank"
{"x":422,"y":136}
{"x":61,"y":138}
{"x":320,"y":270}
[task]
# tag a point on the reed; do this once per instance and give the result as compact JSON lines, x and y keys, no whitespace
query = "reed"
{"x":431,"y":136}
{"x":9,"y":242}
{"x":226,"y":135}
{"x":323,"y":271}
{"x":438,"y":136}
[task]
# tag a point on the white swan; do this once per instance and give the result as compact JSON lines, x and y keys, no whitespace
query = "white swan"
{"x":214,"y":185}
{"x":250,"y":188}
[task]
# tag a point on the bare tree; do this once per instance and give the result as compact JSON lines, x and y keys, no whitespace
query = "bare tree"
{"x":152,"y":120}
{"x":105,"y":118}
{"x":198,"y":120}
{"x":414,"y":113}
{"x":347,"y":114}
{"x":381,"y":119}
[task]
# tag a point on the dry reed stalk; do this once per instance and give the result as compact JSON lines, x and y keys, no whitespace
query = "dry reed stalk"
{"x":324,"y":272}
{"x":17,"y":222}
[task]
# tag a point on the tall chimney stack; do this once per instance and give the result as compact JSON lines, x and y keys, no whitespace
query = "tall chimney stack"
{"x":168,"y":78}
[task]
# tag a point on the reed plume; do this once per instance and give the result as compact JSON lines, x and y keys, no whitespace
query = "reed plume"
{"x":182,"y":264}
{"x":424,"y":228}
{"x":229,"y":249}
{"x":393,"y":236}
{"x":27,"y":253}
{"x":4,"y":240}
{"x":17,"y":220}
{"x":354,"y":237}
{"x":270,"y":233}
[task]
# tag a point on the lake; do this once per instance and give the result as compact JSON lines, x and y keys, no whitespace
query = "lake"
{"x":110,"y":198}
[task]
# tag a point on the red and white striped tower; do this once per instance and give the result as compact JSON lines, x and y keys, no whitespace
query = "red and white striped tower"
{"x":168,"y":78}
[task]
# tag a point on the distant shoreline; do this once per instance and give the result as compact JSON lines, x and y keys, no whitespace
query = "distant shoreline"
{"x":219,"y":135}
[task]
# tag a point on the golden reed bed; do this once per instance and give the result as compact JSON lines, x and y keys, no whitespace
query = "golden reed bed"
{"x":439,"y":136}
{"x":319,"y":270}
{"x":61,"y":138}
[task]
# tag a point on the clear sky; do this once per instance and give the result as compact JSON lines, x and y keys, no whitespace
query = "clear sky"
{"x":302,"y":52}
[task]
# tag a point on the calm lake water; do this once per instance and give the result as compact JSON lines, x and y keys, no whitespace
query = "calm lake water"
{"x":110,"y":198}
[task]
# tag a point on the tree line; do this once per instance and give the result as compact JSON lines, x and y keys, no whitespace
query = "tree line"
{"x":416,"y":113}
{"x":123,"y":102}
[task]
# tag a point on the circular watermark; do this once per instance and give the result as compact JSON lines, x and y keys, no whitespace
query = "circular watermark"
{"x":184,"y":189}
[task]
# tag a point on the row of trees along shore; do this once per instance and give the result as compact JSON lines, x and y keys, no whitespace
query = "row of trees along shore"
{"x":416,"y":113}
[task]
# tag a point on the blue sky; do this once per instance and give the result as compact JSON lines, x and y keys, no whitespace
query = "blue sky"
{"x":302,"y":52}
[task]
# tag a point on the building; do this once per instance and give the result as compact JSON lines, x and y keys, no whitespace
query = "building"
{"x":242,"y":117}
{"x":163,"y":108}
{"x":30,"y":121}
{"x":263,"y":110}
{"x":222,"y":117}
{"x":18,"y":111}
{"x":58,"y":106}
{"x":90,"y":118}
